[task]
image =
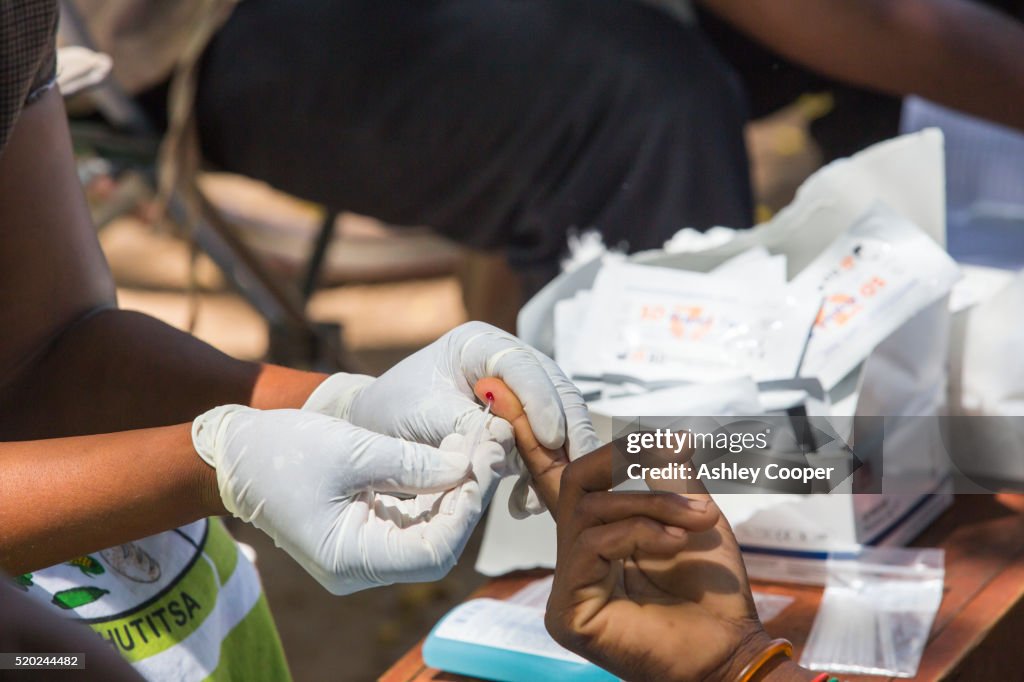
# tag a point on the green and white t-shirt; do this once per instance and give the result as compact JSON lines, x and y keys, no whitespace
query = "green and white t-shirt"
{"x":182,"y":605}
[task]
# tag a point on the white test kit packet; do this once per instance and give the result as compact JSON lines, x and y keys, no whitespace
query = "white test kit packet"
{"x":653,"y":323}
{"x":873,"y":278}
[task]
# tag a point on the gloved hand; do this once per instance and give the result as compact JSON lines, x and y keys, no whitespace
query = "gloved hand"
{"x":320,"y":488}
{"x":430,"y":395}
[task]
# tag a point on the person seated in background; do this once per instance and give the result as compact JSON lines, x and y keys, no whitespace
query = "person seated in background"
{"x":504,"y":125}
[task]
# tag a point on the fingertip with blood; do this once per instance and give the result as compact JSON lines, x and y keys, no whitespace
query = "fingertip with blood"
{"x":544,"y":463}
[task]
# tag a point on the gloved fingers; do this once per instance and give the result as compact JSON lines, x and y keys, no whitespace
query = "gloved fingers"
{"x":582,"y":438}
{"x":488,"y":463}
{"x":489,"y":351}
{"x":427,"y":417}
{"x":533,"y":504}
{"x":523,"y":501}
{"x":427,"y":550}
{"x":495,"y":429}
{"x":428,"y":540}
{"x":386,"y":464}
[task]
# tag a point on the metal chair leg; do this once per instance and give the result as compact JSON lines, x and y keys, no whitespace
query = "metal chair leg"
{"x":295,"y":340}
{"x":314,"y":267}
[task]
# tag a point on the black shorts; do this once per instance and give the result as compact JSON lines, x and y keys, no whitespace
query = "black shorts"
{"x":499,"y":123}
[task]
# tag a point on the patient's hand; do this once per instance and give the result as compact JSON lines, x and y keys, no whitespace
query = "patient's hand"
{"x":545,"y":465}
{"x":650,"y":586}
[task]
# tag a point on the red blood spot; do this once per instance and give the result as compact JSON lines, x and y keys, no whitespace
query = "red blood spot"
{"x":489,"y":396}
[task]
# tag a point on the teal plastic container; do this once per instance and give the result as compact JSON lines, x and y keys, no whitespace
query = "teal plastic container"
{"x":503,"y":665}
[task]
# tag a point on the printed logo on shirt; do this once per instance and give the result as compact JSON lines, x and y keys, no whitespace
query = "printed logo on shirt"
{"x":138,"y":603}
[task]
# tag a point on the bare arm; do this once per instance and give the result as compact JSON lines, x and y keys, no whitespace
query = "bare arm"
{"x":71,"y":364}
{"x":951,"y":51}
{"x":63,"y":497}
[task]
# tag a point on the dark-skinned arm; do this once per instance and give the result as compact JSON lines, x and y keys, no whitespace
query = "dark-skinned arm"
{"x":72,"y":364}
{"x":954,"y":52}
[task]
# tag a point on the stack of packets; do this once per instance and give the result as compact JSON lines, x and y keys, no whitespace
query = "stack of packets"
{"x":653,"y":326}
{"x":837,"y":307}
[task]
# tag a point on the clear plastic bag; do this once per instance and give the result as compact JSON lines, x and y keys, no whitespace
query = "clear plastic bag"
{"x":876,"y":612}
{"x":770,"y":605}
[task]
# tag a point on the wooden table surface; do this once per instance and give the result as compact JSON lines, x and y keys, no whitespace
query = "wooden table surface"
{"x":977,"y":631}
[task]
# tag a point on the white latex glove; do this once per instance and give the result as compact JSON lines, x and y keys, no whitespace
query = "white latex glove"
{"x":430,"y":395}
{"x":319,"y":487}
{"x":472,"y":496}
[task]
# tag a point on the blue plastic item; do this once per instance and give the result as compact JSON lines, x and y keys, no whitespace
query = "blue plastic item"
{"x":501,"y":664}
{"x":984,"y":184}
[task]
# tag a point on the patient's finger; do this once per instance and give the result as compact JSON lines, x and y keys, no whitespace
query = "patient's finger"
{"x":666,"y":508}
{"x":584,"y":560}
{"x":619,"y":540}
{"x":585,"y":575}
{"x":545,"y":465}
